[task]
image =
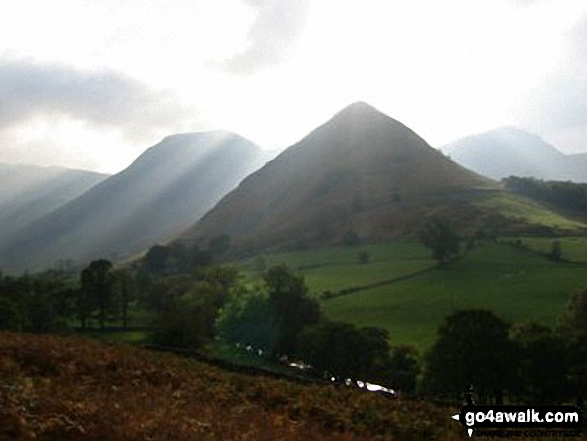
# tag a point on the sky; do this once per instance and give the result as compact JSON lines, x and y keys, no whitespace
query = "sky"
{"x":93,"y":83}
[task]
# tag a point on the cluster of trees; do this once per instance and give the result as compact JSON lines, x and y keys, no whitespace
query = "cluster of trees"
{"x":54,"y":300}
{"x":528,"y":362}
{"x":568,"y":195}
{"x":36,"y":303}
{"x":281,"y":318}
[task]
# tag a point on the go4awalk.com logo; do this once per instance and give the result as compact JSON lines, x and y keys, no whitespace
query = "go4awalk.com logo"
{"x":527,"y":421}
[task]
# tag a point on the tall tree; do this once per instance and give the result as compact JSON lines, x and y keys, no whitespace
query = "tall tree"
{"x":441,"y":237}
{"x":572,"y":328}
{"x":472,"y":348}
{"x":291,"y":307}
{"x":344,"y":350}
{"x":543,"y":368}
{"x":124,"y":292}
{"x":96,"y":289}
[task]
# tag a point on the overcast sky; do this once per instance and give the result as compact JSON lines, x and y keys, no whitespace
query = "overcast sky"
{"x":93,"y":83}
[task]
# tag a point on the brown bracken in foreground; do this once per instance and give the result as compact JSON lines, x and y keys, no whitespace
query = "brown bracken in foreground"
{"x":66,"y":388}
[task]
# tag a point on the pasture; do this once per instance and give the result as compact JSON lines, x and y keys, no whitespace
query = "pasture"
{"x":518,"y":285}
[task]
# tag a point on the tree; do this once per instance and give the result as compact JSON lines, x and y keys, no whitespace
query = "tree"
{"x":556,"y":252}
{"x":291,"y":307}
{"x":572,"y":328}
{"x":10,"y":319}
{"x":96,"y":290}
{"x":344,"y":350}
{"x":543,"y":366}
{"x":125,"y":292}
{"x":246,"y":318}
{"x":441,"y":237}
{"x":403,"y":369}
{"x":472,"y":348}
{"x":188,"y":309}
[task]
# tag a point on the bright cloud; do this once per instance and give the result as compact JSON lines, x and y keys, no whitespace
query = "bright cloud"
{"x":93,"y":84}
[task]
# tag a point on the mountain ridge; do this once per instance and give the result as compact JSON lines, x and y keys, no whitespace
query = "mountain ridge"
{"x":344,"y":175}
{"x":509,"y":151}
{"x":153,"y":199}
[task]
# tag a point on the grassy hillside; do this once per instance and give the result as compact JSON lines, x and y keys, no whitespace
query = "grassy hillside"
{"x":573,"y":249}
{"x":515,"y":207}
{"x":337,"y":267}
{"x":516,"y":284}
{"x":54,"y":388}
{"x":361,"y":171}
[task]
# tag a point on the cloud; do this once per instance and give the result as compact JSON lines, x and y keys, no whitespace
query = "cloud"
{"x":30,"y":90}
{"x":560,"y":105}
{"x":276,"y":27}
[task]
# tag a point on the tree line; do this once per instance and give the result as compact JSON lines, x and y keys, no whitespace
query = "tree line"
{"x":195,"y":301}
{"x":569,"y":196}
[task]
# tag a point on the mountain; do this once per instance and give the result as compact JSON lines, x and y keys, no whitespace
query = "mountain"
{"x":508,"y":151}
{"x":361,"y":173}
{"x":28,"y":192}
{"x":156,"y":197}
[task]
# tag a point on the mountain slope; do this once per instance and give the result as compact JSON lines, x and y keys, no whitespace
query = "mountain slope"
{"x":508,"y":151}
{"x":361,"y":171}
{"x":156,"y":197}
{"x":28,"y":192}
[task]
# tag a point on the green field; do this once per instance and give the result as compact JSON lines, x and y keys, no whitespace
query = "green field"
{"x":574,"y":248}
{"x":335,"y":268}
{"x":516,"y":284}
{"x":517,"y":207}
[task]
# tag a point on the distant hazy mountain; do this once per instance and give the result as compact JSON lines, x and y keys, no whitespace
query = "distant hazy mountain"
{"x":508,"y":151}
{"x":156,"y":197}
{"x":28,"y":192}
{"x":362,"y":171}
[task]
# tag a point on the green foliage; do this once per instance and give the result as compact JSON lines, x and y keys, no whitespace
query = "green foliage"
{"x":403,"y":368}
{"x":247,"y":318}
{"x":344,"y":350}
{"x":97,"y":281}
{"x":188,"y":308}
{"x":440,"y":236}
{"x":10,"y":319}
{"x":543,"y":367}
{"x":472,"y":348}
{"x":38,"y":303}
{"x":572,"y":328}
{"x":556,"y":252}
{"x":568,"y":196}
{"x":176,"y":258}
{"x":573,"y":323}
{"x":291,"y":307}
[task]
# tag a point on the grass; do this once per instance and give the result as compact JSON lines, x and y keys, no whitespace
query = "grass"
{"x":517,"y":207}
{"x":337,"y":267}
{"x":574,"y":248}
{"x":516,"y":284}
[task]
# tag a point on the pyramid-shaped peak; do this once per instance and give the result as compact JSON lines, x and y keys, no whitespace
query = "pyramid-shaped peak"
{"x":358,"y":108}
